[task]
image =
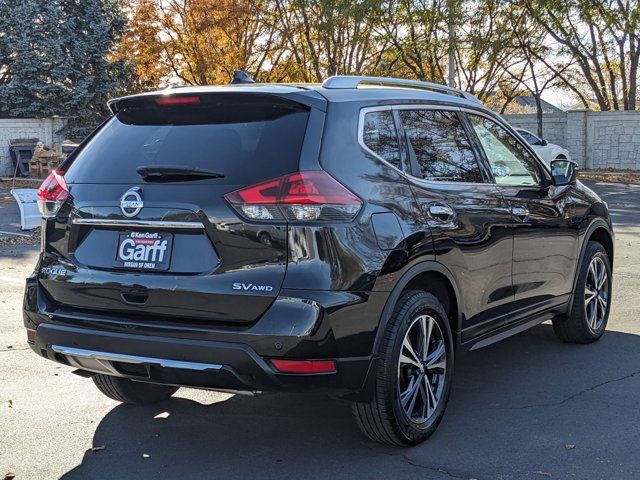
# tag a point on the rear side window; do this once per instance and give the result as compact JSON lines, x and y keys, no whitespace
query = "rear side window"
{"x":439,"y":148}
{"x":379,"y":135}
{"x":245,"y":137}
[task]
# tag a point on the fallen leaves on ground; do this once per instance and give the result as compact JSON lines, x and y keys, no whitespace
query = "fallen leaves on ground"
{"x":9,"y":183}
{"x":609,"y":176}
{"x":6,"y":240}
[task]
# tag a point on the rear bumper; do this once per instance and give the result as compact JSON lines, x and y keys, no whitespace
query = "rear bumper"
{"x":191,"y":363}
{"x":340,"y":326}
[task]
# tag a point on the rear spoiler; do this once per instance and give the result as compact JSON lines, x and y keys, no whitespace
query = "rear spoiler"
{"x":298,"y":94}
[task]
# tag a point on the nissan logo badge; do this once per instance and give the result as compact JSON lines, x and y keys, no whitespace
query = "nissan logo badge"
{"x":131,"y":202}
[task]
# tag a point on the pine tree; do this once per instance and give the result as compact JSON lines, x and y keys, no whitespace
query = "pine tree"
{"x":55,"y":59}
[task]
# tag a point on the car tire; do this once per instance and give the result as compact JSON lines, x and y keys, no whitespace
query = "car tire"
{"x":128,"y":391}
{"x":591,"y":303}
{"x":389,"y":416}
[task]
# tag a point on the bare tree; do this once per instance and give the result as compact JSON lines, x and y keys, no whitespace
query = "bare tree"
{"x":603,"y":38}
{"x":329,"y":37}
{"x":536,"y":74}
{"x":485,"y":51}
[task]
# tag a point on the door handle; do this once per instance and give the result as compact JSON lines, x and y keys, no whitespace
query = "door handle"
{"x":520,"y":213}
{"x":440,"y":212}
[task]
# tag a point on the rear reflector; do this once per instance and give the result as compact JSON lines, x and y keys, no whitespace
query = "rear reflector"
{"x":165,"y":101}
{"x":304,"y":366}
{"x":297,"y":197}
{"x":31,"y":335}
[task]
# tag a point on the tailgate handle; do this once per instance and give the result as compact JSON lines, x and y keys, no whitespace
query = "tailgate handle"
{"x":135,"y":298}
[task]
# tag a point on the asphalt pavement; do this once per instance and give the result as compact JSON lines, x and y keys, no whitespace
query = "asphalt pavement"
{"x":529,"y":407}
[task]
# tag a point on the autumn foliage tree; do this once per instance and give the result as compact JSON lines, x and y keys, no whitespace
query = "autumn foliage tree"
{"x":77,"y":53}
{"x":199,"y":41}
{"x":602,"y":37}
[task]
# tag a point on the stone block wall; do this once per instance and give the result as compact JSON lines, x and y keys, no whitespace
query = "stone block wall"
{"x":595,"y":140}
{"x":613,"y":140}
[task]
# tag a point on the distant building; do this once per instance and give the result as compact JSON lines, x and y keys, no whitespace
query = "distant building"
{"x":527,"y":104}
{"x":521,"y":104}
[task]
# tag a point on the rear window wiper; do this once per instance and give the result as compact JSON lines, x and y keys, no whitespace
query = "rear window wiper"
{"x":175,"y":172}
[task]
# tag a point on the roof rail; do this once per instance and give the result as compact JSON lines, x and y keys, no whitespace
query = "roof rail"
{"x":353,"y":81}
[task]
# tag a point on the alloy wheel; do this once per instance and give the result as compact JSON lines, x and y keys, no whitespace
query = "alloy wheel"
{"x":422,"y":368}
{"x":596,"y":293}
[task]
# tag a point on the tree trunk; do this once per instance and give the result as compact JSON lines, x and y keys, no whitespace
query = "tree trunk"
{"x":452,"y":42}
{"x":633,"y":80}
{"x":538,"y":113}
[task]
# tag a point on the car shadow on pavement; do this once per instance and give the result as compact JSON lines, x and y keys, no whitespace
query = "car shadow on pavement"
{"x":524,"y":408}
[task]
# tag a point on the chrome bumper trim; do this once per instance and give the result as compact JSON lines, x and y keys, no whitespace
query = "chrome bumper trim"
{"x":103,"y":359}
{"x":104,"y":222}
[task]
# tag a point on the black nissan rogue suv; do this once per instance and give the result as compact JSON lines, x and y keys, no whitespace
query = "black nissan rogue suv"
{"x":346,"y":238}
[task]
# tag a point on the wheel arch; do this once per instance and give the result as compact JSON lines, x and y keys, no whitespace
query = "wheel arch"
{"x":429,"y":276}
{"x":600,"y":232}
{"x":601,"y":235}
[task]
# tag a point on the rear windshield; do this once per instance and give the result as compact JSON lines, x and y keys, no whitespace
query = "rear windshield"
{"x":246,"y":138}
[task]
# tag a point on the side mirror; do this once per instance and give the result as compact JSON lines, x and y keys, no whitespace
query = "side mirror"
{"x":564,"y":172}
{"x":543,"y":142}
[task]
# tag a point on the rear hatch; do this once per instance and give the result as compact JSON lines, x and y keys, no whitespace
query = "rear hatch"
{"x":146,"y":229}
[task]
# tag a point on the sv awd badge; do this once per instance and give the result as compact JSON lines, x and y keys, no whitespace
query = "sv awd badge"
{"x":251,"y":286}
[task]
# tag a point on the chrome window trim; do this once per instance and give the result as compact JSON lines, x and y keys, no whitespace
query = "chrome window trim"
{"x":103,"y":222}
{"x":365,"y":110}
{"x":418,"y":106}
{"x":363,"y":113}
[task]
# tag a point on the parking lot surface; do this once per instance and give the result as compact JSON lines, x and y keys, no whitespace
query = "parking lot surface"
{"x":529,"y":407}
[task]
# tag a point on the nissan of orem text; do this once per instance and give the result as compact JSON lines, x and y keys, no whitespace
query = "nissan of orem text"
{"x":347,"y":238}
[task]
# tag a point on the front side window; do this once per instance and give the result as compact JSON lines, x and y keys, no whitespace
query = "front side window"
{"x":379,"y":135}
{"x":510,"y":161}
{"x":439,"y":147}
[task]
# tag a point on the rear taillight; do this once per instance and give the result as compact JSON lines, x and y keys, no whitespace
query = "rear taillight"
{"x":52,"y":194}
{"x":297,"y":197}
